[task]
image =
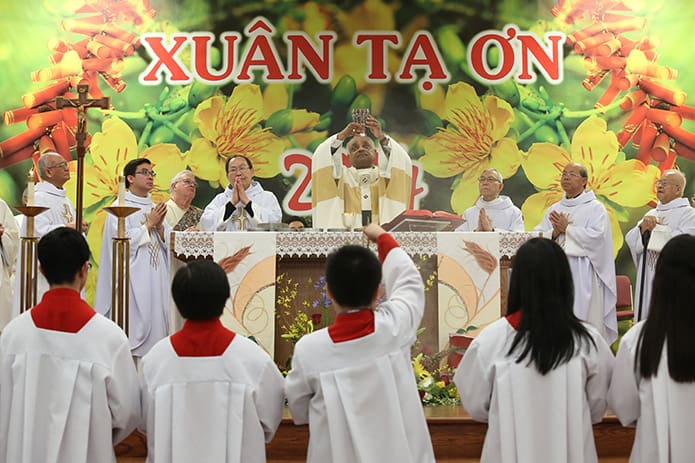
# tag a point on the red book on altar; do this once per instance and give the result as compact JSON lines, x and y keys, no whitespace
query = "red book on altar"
{"x":424,"y":221}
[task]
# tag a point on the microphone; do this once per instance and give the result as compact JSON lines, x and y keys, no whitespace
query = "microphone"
{"x":645,"y":237}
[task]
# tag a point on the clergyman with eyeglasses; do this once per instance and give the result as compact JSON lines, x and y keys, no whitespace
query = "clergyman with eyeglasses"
{"x":54,"y":172}
{"x":181,"y":214}
{"x":672,"y":216}
{"x":149,"y":233}
{"x":492,"y":211}
{"x":580,"y":224}
{"x":243,"y":204}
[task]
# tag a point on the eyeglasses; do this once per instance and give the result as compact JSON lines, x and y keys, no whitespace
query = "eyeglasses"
{"x":663,"y":182}
{"x":189,"y":182}
{"x":234,"y":170}
{"x":61,"y":165}
{"x":570,"y":174}
{"x":147,"y":173}
{"x":488,"y":179}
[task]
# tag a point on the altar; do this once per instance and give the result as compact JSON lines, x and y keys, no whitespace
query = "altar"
{"x":278,"y":291}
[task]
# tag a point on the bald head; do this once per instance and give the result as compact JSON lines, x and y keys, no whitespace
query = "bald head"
{"x":670,"y":186}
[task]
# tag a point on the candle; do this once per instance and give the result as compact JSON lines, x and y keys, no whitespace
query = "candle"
{"x":121,"y":190}
{"x":30,"y":188}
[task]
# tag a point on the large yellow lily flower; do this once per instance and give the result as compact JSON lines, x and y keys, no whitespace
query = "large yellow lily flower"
{"x":473,"y":141}
{"x":233,"y":127}
{"x":617,"y":183}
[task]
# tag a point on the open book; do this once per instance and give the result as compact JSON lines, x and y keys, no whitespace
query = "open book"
{"x":424,"y":220}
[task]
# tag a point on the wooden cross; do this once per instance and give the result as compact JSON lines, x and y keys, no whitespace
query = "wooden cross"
{"x":81,"y":103}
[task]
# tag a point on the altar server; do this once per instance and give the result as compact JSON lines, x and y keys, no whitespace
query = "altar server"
{"x":68,"y":385}
{"x":538,"y":376}
{"x":653,"y":384}
{"x":208,"y":394}
{"x":353,"y":382}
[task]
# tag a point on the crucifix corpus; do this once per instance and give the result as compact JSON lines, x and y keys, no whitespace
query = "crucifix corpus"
{"x":81,"y":103}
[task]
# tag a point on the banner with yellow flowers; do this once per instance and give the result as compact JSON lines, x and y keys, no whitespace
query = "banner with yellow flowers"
{"x":524,"y":87}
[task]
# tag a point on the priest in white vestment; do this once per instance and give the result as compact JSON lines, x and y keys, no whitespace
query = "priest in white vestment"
{"x":539,"y":376}
{"x":9,"y":243}
{"x":244,"y":204}
{"x":653,"y":382}
{"x":208,"y":394}
{"x":376,"y":187}
{"x":580,"y":224}
{"x":492,"y":211}
{"x":68,"y":385}
{"x":54,"y":173}
{"x":181,"y":214}
{"x":672,"y":216}
{"x":148,"y":232}
{"x":353,"y":382}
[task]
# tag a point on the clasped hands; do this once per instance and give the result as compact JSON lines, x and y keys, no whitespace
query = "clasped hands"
{"x":559,"y":221}
{"x":239,"y":193}
{"x":648,"y":223}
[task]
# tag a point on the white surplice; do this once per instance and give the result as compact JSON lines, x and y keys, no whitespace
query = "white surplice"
{"x":503,"y":214}
{"x":531,"y":417}
{"x":588,"y":243}
{"x":659,"y":406}
{"x":9,"y":243}
{"x":675,"y":218}
{"x":264,"y":204}
{"x":359,"y":396}
{"x":65,"y":397}
{"x":221,"y":409}
{"x":149,"y":286}
{"x":60,"y":212}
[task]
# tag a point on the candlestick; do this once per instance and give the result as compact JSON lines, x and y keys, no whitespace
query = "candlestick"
{"x":30,"y":188}
{"x":121,"y":190}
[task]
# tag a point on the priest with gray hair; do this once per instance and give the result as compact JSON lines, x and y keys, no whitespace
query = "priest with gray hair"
{"x":181,"y":214}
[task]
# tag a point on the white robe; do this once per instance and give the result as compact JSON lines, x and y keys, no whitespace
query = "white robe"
{"x":660,"y":407}
{"x":676,"y":218}
{"x":531,"y":417}
{"x":60,"y":212}
{"x":330,"y":180}
{"x":588,"y":244}
{"x":9,"y":244}
{"x":210,"y":409}
{"x":503,"y":214}
{"x":359,"y":396}
{"x":149,"y":289}
{"x":264,"y":204}
{"x":65,"y":397}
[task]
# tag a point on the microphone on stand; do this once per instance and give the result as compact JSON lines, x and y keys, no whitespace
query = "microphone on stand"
{"x":645,"y":240}
{"x":645,"y":237}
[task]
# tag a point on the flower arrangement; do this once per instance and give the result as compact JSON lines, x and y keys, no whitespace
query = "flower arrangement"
{"x":435,"y":385}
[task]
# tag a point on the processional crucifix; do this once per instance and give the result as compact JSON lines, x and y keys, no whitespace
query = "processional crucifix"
{"x":81,"y":103}
{"x":29,"y":264}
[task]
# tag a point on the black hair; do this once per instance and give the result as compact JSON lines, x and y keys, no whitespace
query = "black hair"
{"x":200,"y":290}
{"x":353,"y":274}
{"x":132,"y":166}
{"x":62,"y":253}
{"x":249,"y":164}
{"x":541,"y":288}
{"x":671,"y":318}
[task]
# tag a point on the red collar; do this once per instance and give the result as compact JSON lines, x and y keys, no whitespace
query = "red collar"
{"x":352,"y":325}
{"x":202,"y":338}
{"x":514,"y":319}
{"x":61,"y":309}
